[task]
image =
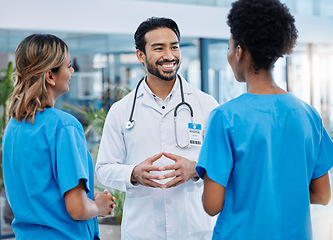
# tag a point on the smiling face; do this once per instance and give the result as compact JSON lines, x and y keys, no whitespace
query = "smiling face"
{"x":162,"y":57}
{"x":61,"y":79}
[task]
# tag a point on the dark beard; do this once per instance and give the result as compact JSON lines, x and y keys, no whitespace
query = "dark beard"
{"x":154,"y":71}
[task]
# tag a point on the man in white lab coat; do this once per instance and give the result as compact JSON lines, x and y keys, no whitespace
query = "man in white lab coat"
{"x":154,"y":160}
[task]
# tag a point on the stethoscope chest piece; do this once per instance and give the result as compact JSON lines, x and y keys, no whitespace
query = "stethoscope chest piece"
{"x":130,"y":124}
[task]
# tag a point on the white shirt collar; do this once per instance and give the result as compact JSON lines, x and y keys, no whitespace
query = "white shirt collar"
{"x":173,"y":90}
{"x":187,"y":88}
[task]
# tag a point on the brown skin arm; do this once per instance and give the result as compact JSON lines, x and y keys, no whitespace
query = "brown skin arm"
{"x":213,"y":196}
{"x":80,"y":207}
{"x":214,"y":193}
{"x":320,"y":190}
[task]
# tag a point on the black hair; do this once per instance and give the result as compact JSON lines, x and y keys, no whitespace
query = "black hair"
{"x":152,"y":24}
{"x":265,"y":28}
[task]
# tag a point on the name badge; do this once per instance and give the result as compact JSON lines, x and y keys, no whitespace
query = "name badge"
{"x":195,"y":134}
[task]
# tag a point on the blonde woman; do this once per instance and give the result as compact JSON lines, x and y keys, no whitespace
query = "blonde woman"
{"x":48,"y":171}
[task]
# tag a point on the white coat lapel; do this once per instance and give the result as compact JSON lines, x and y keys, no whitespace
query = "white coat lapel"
{"x":147,"y":99}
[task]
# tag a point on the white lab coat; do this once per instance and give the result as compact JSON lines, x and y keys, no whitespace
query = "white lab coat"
{"x":154,"y":213}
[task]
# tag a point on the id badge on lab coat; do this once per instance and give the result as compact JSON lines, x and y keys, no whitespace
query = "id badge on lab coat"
{"x":195,"y":134}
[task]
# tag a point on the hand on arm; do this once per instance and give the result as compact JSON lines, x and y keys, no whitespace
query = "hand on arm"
{"x":80,"y":207}
{"x":213,"y":196}
{"x":141,"y":173}
{"x":320,"y":190}
{"x":184,"y":170}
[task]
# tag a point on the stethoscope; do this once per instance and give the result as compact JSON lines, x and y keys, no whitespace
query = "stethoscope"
{"x":130,"y":124}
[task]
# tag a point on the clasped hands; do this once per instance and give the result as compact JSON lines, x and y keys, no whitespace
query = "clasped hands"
{"x":183,"y":170}
{"x":105,"y":203}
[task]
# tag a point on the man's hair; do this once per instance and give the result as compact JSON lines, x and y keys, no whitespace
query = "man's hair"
{"x":34,"y":56}
{"x":152,"y":24}
{"x":265,"y":28}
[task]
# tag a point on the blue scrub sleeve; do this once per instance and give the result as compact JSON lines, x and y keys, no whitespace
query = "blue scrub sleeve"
{"x":71,"y":158}
{"x":325,"y":156}
{"x":216,"y":153}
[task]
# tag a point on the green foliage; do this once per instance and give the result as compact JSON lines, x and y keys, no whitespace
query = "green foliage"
{"x":120,"y":198}
{"x":6,"y":89}
{"x":6,"y":84}
{"x":96,"y":119}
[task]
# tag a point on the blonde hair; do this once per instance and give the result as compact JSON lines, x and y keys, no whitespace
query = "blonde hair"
{"x":34,"y":56}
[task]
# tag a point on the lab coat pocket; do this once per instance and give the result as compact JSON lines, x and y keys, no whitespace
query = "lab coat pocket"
{"x":138,"y":218}
{"x":199,"y":222}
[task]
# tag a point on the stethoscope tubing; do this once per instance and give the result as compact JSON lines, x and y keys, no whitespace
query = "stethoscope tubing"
{"x":130,"y":124}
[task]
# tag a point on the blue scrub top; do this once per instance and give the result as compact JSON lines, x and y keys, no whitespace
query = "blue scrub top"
{"x":265,"y":149}
{"x":41,"y":162}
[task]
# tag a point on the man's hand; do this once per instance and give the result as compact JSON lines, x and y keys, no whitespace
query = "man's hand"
{"x":141,"y":173}
{"x":184,"y":170}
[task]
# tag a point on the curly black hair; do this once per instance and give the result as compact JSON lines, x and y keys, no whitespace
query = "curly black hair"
{"x":265,"y":28}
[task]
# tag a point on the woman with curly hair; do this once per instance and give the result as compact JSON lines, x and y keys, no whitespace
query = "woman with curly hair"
{"x":266,"y":154}
{"x":47,"y":169}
